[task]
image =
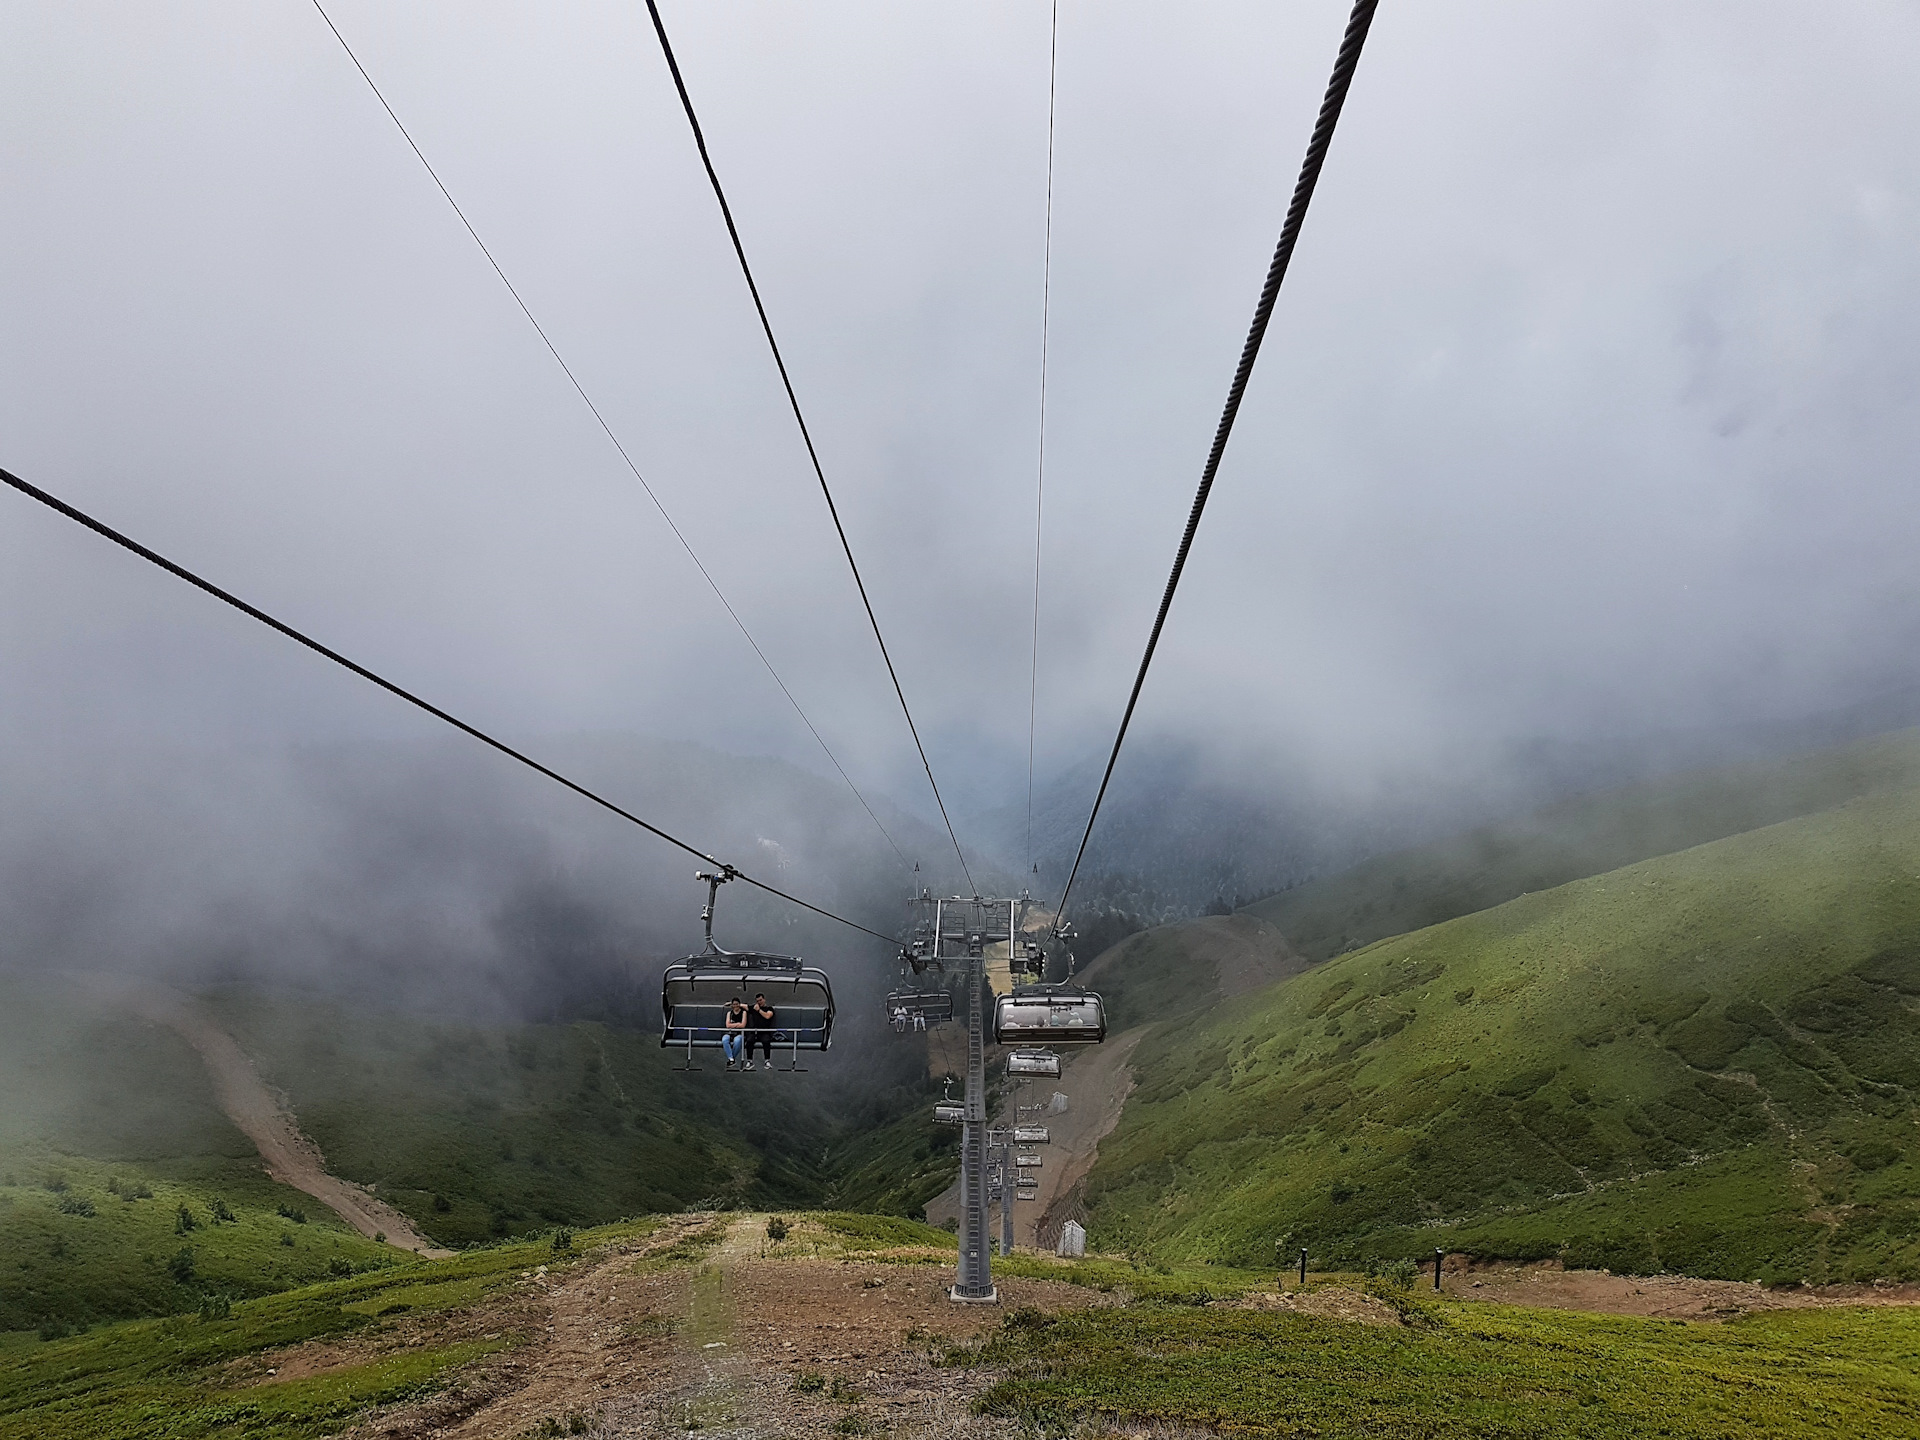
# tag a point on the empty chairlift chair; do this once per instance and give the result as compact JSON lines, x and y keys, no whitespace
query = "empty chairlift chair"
{"x":1049,"y":1015}
{"x":695,"y":992}
{"x":1033,"y":1062}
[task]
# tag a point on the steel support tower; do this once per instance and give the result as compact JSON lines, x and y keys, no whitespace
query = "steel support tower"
{"x":974,"y":1283}
{"x":959,"y":930}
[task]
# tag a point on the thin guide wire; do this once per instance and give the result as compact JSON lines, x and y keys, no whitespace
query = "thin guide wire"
{"x":587,"y":399}
{"x":806,"y":435}
{"x":1040,"y":473}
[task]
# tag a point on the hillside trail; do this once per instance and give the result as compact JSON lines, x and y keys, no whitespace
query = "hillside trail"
{"x":740,"y":1344}
{"x":1665,"y":1297}
{"x":262,"y":1114}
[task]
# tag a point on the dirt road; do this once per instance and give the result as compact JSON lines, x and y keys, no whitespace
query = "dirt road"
{"x":262,"y":1115}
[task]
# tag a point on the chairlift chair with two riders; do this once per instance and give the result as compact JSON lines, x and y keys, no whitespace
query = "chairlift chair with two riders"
{"x":695,"y":993}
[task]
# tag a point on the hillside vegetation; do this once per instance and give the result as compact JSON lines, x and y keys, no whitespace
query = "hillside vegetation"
{"x":1454,"y":1370}
{"x":1707,"y":1062}
{"x":183,"y":1377}
{"x":478,"y":1133}
{"x":123,"y":1189}
{"x":1411,"y":889}
{"x":111,"y":1129}
{"x":1172,"y":970}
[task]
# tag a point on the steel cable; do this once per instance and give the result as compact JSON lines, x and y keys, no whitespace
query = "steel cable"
{"x":1343,"y":68}
{"x":587,"y":399}
{"x":54,"y":503}
{"x":806,"y":435}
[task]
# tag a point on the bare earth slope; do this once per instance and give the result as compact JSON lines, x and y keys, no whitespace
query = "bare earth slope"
{"x":263,"y":1117}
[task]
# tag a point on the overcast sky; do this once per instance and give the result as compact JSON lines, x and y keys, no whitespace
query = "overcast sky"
{"x":1589,"y":405}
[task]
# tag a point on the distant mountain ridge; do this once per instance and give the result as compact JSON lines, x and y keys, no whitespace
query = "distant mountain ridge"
{"x":1584,"y":836}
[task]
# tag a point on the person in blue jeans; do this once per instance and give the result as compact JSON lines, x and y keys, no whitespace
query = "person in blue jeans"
{"x":732,"y":1042}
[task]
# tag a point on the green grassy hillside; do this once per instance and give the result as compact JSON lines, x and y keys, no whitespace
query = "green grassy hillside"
{"x":86,"y":1242}
{"x":1458,"y":1370}
{"x":1587,"y":836}
{"x":1706,"y":1062}
{"x":110,"y":1126}
{"x":1171,"y":970}
{"x":108,"y":1132}
{"x":183,"y":1377}
{"x":481,"y":1132}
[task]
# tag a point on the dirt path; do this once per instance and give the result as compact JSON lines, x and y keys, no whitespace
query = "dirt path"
{"x":1667,"y":1297}
{"x":263,"y":1116}
{"x":739,"y":1345}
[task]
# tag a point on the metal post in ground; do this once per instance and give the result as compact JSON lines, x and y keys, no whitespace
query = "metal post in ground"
{"x":1009,"y":1191}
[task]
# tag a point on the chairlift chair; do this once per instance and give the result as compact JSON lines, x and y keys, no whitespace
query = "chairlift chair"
{"x":1033,"y":1062}
{"x":1049,"y":1015}
{"x":917,"y":1009}
{"x":1031,"y":1135}
{"x":1026,"y":1162}
{"x":695,"y":992}
{"x":950,"y":1114}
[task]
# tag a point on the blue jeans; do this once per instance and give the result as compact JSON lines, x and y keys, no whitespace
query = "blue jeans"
{"x":731,"y":1042}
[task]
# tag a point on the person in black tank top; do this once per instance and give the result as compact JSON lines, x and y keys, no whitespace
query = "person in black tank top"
{"x":760,"y":1029}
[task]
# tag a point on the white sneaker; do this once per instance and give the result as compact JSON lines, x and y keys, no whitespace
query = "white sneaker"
{"x":749,"y":1064}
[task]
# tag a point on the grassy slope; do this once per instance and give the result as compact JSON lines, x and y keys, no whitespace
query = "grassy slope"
{"x":1707,"y":1061}
{"x":1464,"y":1371}
{"x":172,"y":1379}
{"x":1579,"y":838}
{"x":1171,"y":970}
{"x":95,"y":1100}
{"x":512,"y":1130}
{"x":126,"y":1257}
